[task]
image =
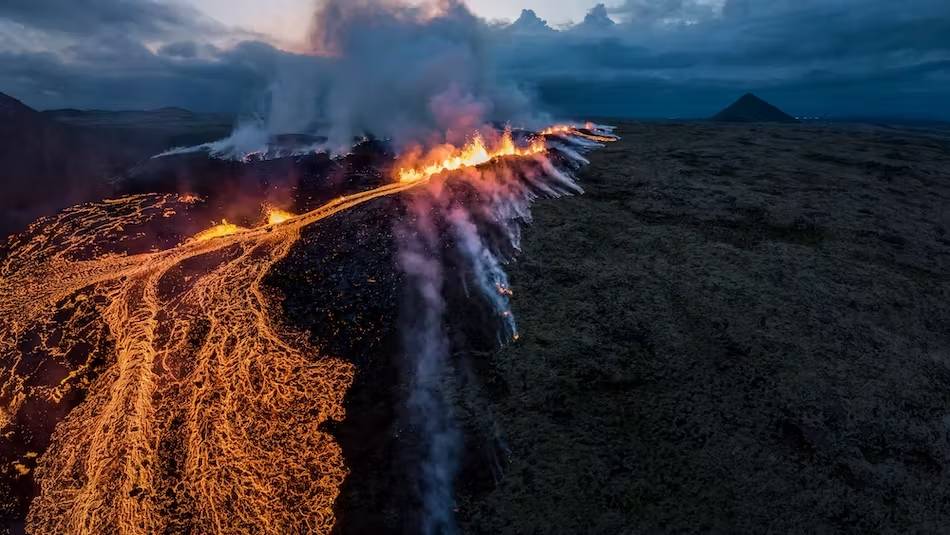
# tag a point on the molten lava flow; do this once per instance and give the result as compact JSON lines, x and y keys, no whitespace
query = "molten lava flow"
{"x":218,"y":231}
{"x":557,"y":130}
{"x":475,"y":153}
{"x":276,"y":216}
{"x":196,"y":409}
{"x":589,"y":131}
{"x":203,"y":413}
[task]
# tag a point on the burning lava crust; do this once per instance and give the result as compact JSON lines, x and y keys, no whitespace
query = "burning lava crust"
{"x":279,"y":372}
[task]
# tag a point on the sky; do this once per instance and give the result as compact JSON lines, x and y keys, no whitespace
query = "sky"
{"x":631,"y":58}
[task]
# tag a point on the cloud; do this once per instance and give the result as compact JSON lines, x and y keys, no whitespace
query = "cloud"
{"x":123,"y":74}
{"x":651,"y":12}
{"x":809,"y":53}
{"x":681,"y":57}
{"x":127,"y":54}
{"x":137,"y":18}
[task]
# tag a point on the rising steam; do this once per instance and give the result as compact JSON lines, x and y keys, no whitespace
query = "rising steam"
{"x":479,"y":210}
{"x":421,"y":77}
{"x":408,"y":73}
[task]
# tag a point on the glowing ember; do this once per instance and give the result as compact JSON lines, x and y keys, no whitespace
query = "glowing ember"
{"x":217,"y":231}
{"x":475,"y":153}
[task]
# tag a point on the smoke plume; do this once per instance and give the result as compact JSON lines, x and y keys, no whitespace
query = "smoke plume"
{"x":464,"y":228}
{"x":426,"y":357}
{"x":410,"y":73}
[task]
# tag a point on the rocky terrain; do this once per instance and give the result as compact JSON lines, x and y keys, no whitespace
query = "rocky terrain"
{"x":51,"y":160}
{"x":738,"y":328}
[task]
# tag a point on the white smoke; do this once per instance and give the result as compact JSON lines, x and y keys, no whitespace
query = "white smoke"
{"x":412,"y":73}
{"x":426,"y":353}
{"x":481,"y":211}
{"x":486,"y":268}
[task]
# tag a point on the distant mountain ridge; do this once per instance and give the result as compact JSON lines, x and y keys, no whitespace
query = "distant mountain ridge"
{"x":51,"y":160}
{"x":752,"y":109}
{"x":162,"y":118}
{"x":10,"y":107}
{"x":45,"y":165}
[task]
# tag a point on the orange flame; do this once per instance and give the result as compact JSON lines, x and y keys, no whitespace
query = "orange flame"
{"x":217,"y":231}
{"x":588,"y":132}
{"x":557,"y":129}
{"x":475,"y":153}
{"x":276,"y":216}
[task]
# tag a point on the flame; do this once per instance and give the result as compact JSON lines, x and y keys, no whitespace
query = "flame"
{"x":217,"y":231}
{"x":475,"y":153}
{"x":558,"y":129}
{"x":276,"y":216}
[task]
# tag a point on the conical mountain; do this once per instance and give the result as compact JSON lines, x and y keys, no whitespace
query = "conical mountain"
{"x":751,"y":109}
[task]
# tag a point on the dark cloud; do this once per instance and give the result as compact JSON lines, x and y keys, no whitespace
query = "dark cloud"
{"x":127,"y":75}
{"x":685,"y":58}
{"x":675,"y":12}
{"x":127,"y":54}
{"x":637,"y":57}
{"x":179,"y":49}
{"x":142,"y":18}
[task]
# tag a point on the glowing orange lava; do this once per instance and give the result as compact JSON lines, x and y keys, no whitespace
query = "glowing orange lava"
{"x":276,"y":216}
{"x":568,"y":130}
{"x":557,"y":130}
{"x":201,"y":411}
{"x":218,"y":231}
{"x":475,"y":153}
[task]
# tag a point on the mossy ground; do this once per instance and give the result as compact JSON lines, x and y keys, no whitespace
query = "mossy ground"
{"x":736,"y":329}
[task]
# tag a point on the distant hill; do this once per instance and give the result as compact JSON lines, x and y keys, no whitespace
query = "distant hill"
{"x":51,"y":160}
{"x":46,"y":165}
{"x":154,"y":130}
{"x":751,"y":109}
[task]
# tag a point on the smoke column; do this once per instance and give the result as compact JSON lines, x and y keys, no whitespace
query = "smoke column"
{"x":470,"y":221}
{"x":426,"y":354}
{"x":415,"y":74}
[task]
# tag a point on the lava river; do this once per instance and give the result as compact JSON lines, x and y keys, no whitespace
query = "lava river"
{"x":180,"y":401}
